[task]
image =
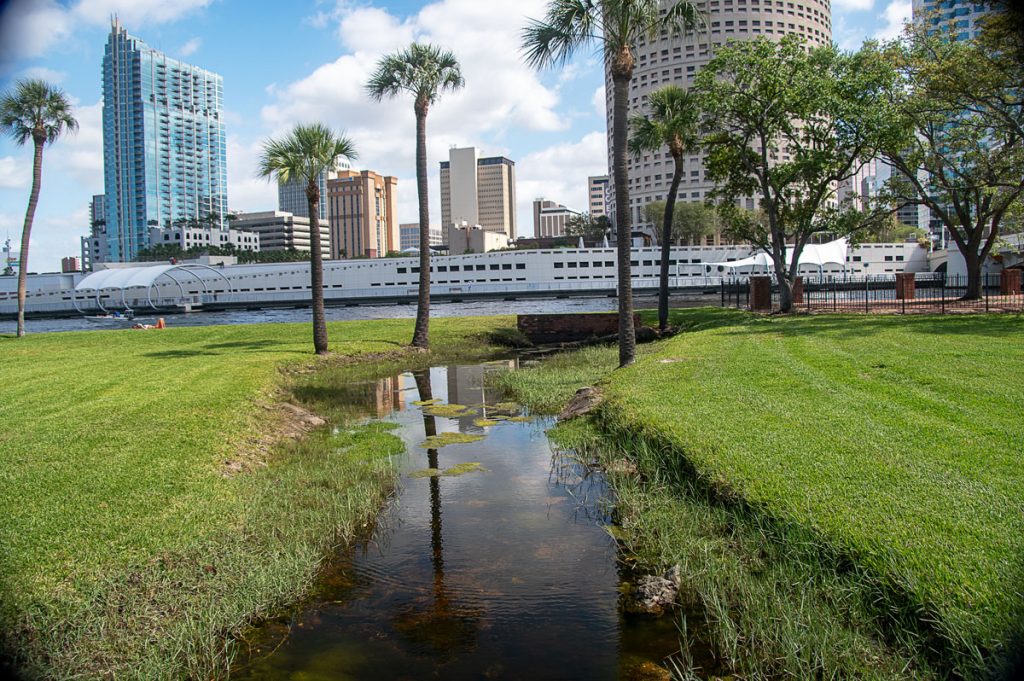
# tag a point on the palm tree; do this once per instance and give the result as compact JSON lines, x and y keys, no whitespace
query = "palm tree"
{"x":672,"y":123}
{"x":425,"y":71}
{"x":36,"y":111}
{"x":616,"y":25}
{"x":303,"y":154}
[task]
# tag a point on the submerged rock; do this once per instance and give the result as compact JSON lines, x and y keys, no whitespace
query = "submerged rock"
{"x":585,"y":401}
{"x":653,"y":594}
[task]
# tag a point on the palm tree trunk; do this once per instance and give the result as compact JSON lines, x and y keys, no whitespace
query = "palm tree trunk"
{"x":26,"y":232}
{"x":316,"y":276}
{"x":623,"y":231}
{"x":421,"y":334}
{"x":666,"y":238}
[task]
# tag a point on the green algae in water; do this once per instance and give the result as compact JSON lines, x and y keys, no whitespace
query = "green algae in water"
{"x":444,"y":439}
{"x":521,"y":419}
{"x":485,"y":423}
{"x":506,"y":406}
{"x":463,"y":468}
{"x":424,"y":403}
{"x":453,"y":472}
{"x":448,"y":410}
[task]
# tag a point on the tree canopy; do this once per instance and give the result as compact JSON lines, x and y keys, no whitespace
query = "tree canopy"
{"x":785,"y":125}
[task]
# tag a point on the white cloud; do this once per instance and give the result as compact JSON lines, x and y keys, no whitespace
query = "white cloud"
{"x":896,"y":14}
{"x":29,"y":28}
{"x":246,"y":191}
{"x":559,"y":173}
{"x":600,"y":102}
{"x":190,"y":47}
{"x":14,"y":173}
{"x":81,"y":154}
{"x":49,"y":75}
{"x":853,"y":5}
{"x":134,"y":13}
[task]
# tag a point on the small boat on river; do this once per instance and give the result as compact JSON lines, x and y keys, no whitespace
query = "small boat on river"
{"x":116,"y":318}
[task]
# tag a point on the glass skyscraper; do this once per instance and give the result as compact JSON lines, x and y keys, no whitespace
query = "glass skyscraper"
{"x":958,"y":17}
{"x":164,"y":149}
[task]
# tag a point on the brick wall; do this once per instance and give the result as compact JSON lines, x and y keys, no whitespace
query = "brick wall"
{"x":566,"y":328}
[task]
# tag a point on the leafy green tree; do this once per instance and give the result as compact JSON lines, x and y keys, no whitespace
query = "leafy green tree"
{"x":33,"y":110}
{"x":672,"y":123}
{"x":691,"y":220}
{"x":587,"y":226}
{"x":963,"y":154}
{"x":425,"y":72}
{"x":617,"y":26}
{"x":303,"y":154}
{"x":787,"y":124}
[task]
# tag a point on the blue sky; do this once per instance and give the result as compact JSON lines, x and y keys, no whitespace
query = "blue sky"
{"x":302,"y":60}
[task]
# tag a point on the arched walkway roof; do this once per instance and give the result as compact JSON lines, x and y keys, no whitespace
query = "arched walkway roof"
{"x":144,"y":277}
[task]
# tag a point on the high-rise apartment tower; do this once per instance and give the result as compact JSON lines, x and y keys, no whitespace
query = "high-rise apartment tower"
{"x":677,"y":59}
{"x":164,"y":148}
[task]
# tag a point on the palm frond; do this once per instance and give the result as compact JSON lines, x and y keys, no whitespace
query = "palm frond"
{"x":33,"y":108}
{"x":424,"y":70}
{"x":568,"y":25}
{"x":303,"y":154}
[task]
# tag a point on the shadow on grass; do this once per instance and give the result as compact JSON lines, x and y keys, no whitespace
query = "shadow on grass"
{"x":992,"y":325}
{"x":180,"y":354}
{"x":244,"y":345}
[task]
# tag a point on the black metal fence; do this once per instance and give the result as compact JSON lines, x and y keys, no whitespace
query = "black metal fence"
{"x":930,"y":292}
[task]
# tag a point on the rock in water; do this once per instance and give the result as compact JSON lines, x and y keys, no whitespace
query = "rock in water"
{"x":653,"y":594}
{"x":585,"y":401}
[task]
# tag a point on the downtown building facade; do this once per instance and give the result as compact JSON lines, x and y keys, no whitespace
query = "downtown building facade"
{"x":550,"y":218}
{"x":409,"y":236}
{"x":164,"y":146}
{"x":597,"y":195}
{"x":676,"y":60}
{"x":280,"y":231}
{"x":478,"y":191}
{"x":363,"y":210}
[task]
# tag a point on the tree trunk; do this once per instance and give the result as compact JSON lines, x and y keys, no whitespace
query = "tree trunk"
{"x":666,"y":238}
{"x":972,"y":260}
{"x":421,"y":334}
{"x":26,"y":232}
{"x":785,"y":294}
{"x":316,"y":270}
{"x":623,"y":231}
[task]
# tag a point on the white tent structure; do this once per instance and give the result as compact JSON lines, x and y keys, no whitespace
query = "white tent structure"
{"x":122,"y":279}
{"x":813,"y":255}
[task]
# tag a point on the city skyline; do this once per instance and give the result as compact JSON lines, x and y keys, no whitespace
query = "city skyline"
{"x":551,"y":124}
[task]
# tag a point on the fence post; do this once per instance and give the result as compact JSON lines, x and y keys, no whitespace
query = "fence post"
{"x":943,"y":287}
{"x":867,"y":294}
{"x":723,"y":291}
{"x":984,"y":282}
{"x":835,"y":297}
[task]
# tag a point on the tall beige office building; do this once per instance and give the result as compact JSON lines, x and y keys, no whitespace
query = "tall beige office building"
{"x":478,"y":191}
{"x":363,"y":211}
{"x":676,"y":60}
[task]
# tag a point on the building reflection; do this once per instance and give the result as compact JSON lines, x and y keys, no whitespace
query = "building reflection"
{"x":467,"y":385}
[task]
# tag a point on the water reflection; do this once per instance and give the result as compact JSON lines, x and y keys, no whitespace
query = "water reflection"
{"x":502,"y":572}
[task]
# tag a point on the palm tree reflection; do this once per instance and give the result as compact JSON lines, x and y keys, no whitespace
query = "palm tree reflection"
{"x":443,"y":625}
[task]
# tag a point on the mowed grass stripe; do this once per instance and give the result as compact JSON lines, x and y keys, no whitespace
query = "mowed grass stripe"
{"x":896,"y":439}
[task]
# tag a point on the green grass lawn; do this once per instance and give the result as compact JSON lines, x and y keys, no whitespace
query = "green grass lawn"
{"x":893,"y":444}
{"x":124,"y":545}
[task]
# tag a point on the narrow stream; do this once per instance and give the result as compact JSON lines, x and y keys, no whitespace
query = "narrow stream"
{"x":491,"y":562}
